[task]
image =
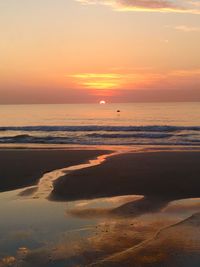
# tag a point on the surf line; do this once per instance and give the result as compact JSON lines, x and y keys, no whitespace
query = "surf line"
{"x":45,"y":184}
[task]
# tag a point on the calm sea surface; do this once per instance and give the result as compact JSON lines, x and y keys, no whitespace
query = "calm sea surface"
{"x":94,"y":124}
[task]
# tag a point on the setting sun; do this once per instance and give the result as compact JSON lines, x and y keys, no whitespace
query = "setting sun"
{"x":102,"y":102}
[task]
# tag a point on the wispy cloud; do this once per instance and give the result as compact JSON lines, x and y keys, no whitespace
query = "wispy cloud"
{"x":98,"y":80}
{"x":132,"y":79}
{"x":179,"y":6}
{"x":185,"y":28}
{"x":114,"y":80}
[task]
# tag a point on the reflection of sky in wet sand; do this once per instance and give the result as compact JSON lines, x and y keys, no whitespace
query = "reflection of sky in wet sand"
{"x":36,"y":232}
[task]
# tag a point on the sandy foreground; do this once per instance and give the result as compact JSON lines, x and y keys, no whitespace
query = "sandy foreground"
{"x":167,"y":175}
{"x":23,"y":167}
{"x":149,"y":231}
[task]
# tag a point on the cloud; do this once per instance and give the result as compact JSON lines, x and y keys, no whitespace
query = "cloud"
{"x":179,"y":6}
{"x":132,"y":80}
{"x":185,"y":28}
{"x":98,"y":80}
{"x":108,"y":81}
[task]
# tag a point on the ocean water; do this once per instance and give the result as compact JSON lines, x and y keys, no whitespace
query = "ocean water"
{"x":95,"y":124}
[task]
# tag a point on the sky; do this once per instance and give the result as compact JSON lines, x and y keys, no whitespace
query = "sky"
{"x":83,"y":51}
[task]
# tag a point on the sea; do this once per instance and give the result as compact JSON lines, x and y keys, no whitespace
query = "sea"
{"x":105,"y":124}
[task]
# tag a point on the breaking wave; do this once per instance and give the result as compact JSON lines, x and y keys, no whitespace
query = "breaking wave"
{"x":88,"y":128}
{"x":101,"y":135}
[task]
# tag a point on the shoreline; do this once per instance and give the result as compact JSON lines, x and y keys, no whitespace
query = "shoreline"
{"x":126,"y":148}
{"x":139,"y":221}
{"x":30,"y":165}
{"x":21,"y":168}
{"x":165,"y":175}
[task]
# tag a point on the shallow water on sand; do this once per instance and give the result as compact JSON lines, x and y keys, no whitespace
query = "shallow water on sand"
{"x":100,"y":232}
{"x":36,"y":232}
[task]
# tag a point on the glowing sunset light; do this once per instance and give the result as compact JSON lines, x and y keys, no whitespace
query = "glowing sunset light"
{"x":108,"y":81}
{"x":98,"y":80}
{"x":97,"y":75}
{"x":164,"y":6}
{"x":100,"y":85}
{"x":102,"y":102}
{"x":90,"y":60}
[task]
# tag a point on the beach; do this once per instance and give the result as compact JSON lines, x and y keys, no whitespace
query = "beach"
{"x":24,"y":167}
{"x":162,"y":174}
{"x":148,"y":199}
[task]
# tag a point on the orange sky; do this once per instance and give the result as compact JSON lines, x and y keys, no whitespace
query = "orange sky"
{"x":84,"y":50}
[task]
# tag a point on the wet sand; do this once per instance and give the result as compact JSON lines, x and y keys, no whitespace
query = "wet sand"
{"x":115,"y":231}
{"x":172,"y":246}
{"x":20,"y":168}
{"x":166,"y":175}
